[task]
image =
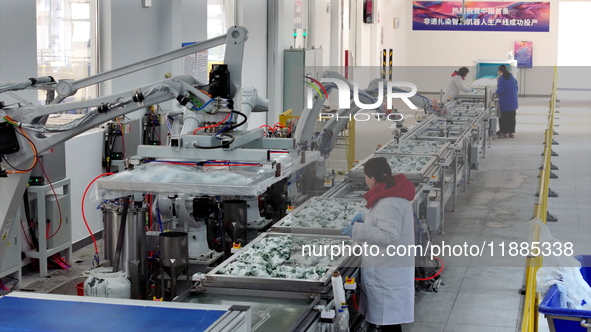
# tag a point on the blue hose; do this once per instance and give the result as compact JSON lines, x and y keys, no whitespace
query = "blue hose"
{"x":204,"y":106}
{"x":159,"y":220}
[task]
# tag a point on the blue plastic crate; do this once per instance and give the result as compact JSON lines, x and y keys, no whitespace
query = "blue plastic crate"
{"x":562,"y":319}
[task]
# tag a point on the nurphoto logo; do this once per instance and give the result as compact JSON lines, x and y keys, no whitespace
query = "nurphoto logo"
{"x":360,"y":99}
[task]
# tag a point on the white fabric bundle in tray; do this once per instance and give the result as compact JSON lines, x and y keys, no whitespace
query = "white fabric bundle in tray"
{"x":413,"y":147}
{"x":281,"y":257}
{"x":484,"y":82}
{"x":326,"y":213}
{"x":178,"y":178}
{"x":178,"y":173}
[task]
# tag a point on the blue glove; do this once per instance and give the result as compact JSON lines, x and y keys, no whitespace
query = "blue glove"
{"x":357,"y":218}
{"x":347,"y":230}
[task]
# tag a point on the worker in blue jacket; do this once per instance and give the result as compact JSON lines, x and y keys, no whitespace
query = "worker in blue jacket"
{"x":507,"y":91}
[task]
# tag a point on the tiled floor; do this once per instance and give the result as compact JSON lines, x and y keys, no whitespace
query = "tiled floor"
{"x":481,"y":293}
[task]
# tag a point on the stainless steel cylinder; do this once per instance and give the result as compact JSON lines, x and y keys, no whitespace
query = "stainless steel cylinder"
{"x":234,"y":219}
{"x":134,"y":244}
{"x":174,"y":252}
{"x":110,"y":231}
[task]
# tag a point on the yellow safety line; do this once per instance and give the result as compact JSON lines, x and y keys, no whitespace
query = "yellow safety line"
{"x":532,"y":298}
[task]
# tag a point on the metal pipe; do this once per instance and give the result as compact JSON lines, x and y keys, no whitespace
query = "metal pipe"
{"x":150,"y":62}
{"x":484,"y":140}
{"x":466,"y":165}
{"x":121,"y":237}
{"x":455,"y":183}
{"x":442,"y":203}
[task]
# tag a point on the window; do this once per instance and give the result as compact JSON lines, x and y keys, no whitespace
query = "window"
{"x":220,"y":16}
{"x":65,"y":43}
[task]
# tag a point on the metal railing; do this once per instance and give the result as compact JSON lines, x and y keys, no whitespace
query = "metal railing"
{"x":533,"y":263}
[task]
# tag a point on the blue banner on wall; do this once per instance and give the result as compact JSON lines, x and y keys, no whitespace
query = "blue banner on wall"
{"x":481,"y":16}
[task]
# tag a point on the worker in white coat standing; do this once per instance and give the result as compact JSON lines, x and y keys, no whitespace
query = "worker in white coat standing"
{"x":387,"y":281}
{"x":457,"y":83}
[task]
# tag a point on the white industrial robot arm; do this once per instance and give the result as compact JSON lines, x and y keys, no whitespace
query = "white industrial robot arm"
{"x":305,"y":126}
{"x":251,"y":102}
{"x":429,"y":106}
{"x":32,"y":118}
{"x":326,"y":140}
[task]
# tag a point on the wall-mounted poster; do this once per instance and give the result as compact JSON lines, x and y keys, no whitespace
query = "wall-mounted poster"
{"x":524,"y":54}
{"x":481,"y":16}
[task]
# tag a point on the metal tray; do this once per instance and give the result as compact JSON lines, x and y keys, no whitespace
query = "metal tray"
{"x":357,"y":171}
{"x":438,"y":152}
{"x":270,"y":310}
{"x":281,"y":228}
{"x":212,"y":279}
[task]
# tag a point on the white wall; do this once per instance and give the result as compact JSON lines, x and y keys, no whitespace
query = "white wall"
{"x":319,"y":28}
{"x":194,"y":20}
{"x":459,"y":48}
{"x":446,"y":50}
{"x":252,"y":15}
{"x":18,"y":37}
{"x":135,"y":33}
{"x":280,"y":31}
{"x":573,"y":54}
{"x":83,"y":164}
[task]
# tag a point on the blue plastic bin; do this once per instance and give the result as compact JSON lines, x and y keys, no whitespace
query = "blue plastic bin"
{"x":562,"y":319}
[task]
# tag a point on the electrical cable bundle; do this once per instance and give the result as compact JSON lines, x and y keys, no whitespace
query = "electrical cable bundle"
{"x":298,"y":174}
{"x":96,"y":255}
{"x":56,"y":261}
{"x":275,"y":130}
{"x":21,"y":132}
{"x":223,"y":131}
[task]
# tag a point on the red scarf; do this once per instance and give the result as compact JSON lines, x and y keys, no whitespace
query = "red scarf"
{"x":456,"y":74}
{"x":402,"y":188}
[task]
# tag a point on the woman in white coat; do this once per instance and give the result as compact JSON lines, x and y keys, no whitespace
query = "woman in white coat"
{"x":456,"y":84}
{"x":387,"y":281}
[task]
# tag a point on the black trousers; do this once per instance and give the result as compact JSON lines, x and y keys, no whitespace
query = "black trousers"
{"x":391,"y":328}
{"x":507,"y":122}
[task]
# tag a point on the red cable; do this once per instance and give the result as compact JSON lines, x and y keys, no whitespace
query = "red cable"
{"x":180,"y":163}
{"x":83,"y":217}
{"x":230,"y":165}
{"x":267,"y":126}
{"x":436,"y":274}
{"x":280,"y":125}
{"x":291,"y":124}
{"x":61,"y":259}
{"x":215,"y":125}
{"x":355,"y":303}
{"x":56,"y":261}
{"x":58,"y":205}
